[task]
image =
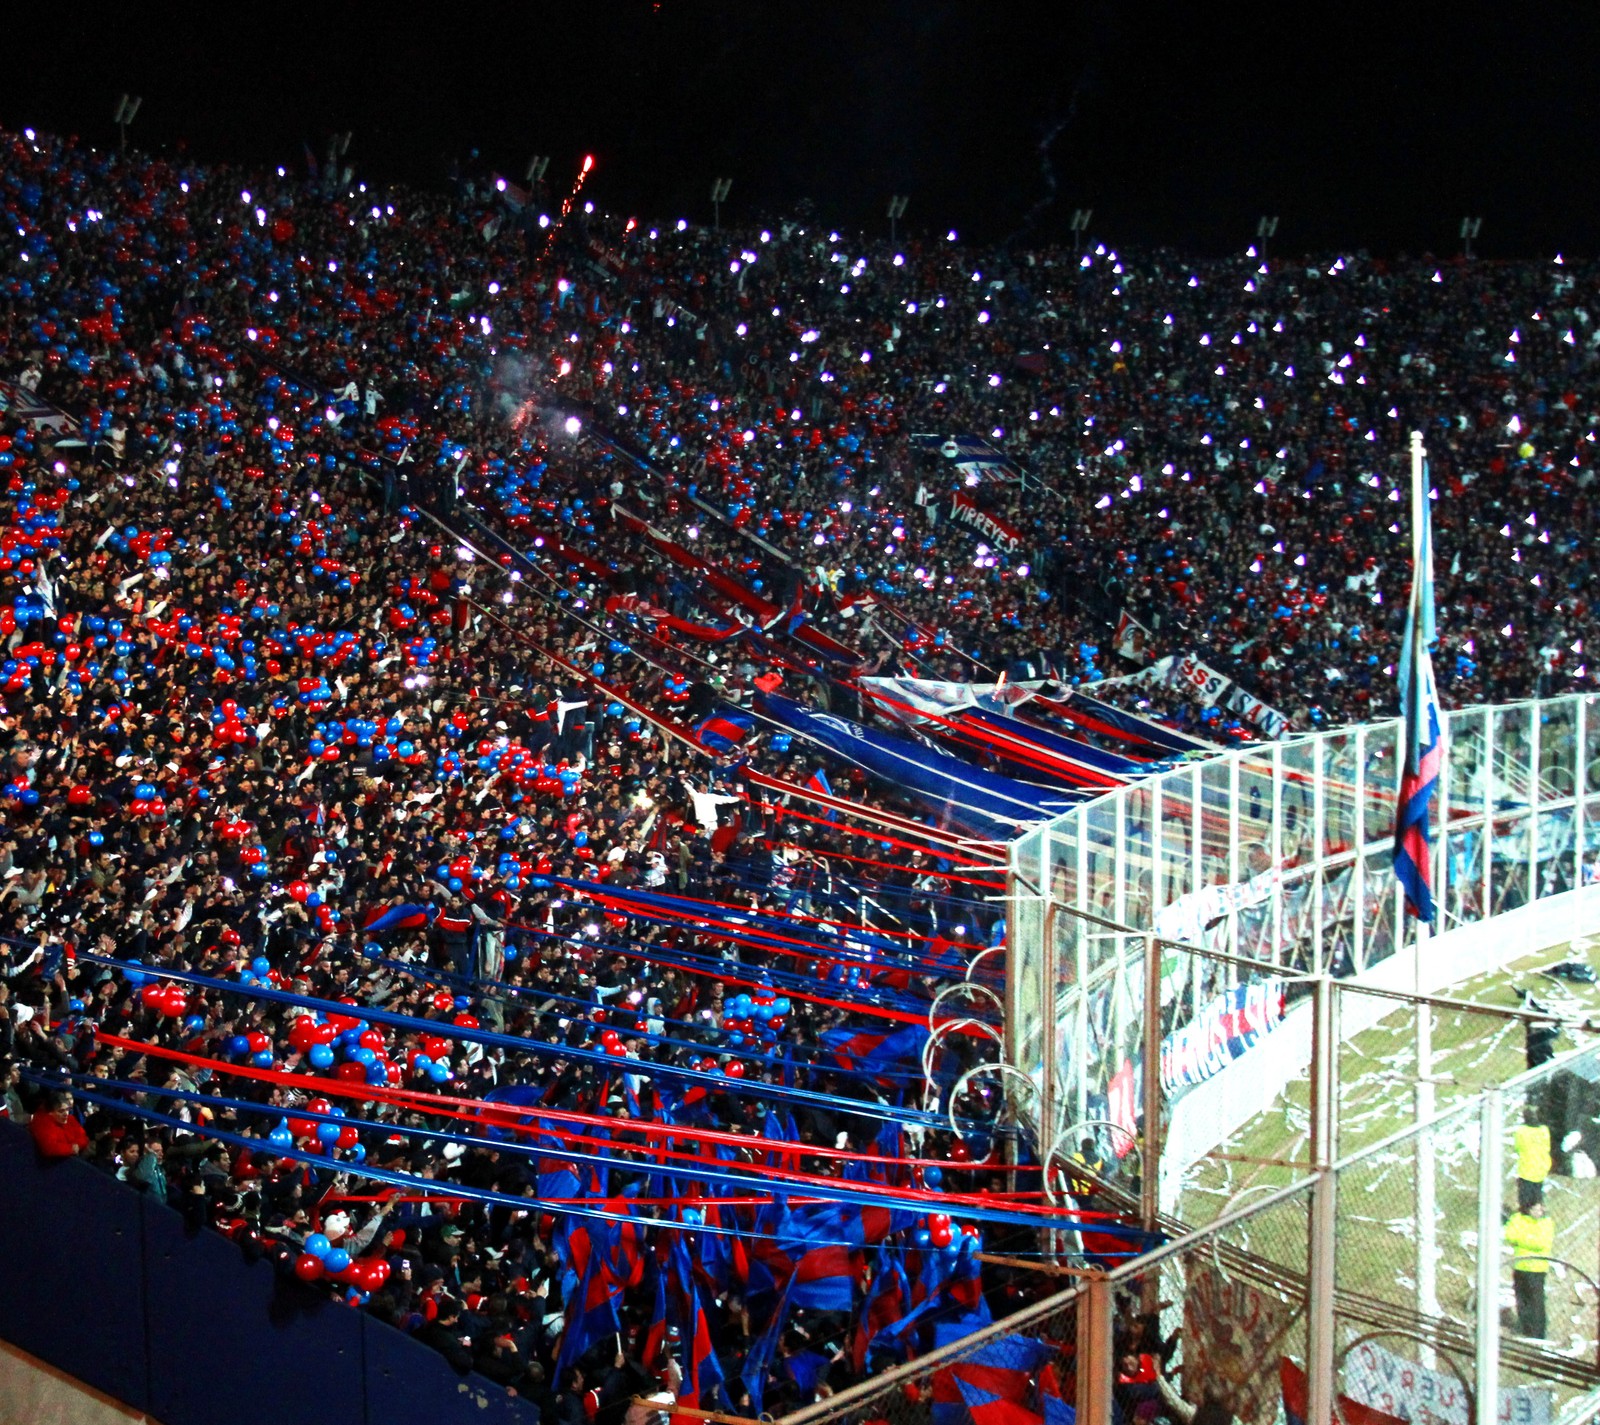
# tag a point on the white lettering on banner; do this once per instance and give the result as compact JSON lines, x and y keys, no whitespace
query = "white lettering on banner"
{"x":1206,"y":683}
{"x":1376,"y":1377}
{"x":964,"y":508}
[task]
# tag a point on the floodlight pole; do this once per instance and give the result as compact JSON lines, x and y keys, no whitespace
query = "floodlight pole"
{"x":720,"y":188}
{"x":1266,"y":228}
{"x":127,"y":108}
{"x":897,"y":210}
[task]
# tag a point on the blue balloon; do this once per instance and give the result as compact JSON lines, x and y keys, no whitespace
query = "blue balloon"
{"x":933,"y":1176}
{"x":318,"y":1245}
{"x":328,"y":1132}
{"x":194,"y":1023}
{"x":439,"y":1072}
{"x":261,"y":965}
{"x":263,"y":1060}
{"x":238,"y":1046}
{"x":363,"y":1056}
{"x":321,"y":1056}
{"x":922,"y":1238}
{"x":337,"y":1259}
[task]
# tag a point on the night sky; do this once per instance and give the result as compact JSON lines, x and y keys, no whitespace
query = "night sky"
{"x":1361,"y":126}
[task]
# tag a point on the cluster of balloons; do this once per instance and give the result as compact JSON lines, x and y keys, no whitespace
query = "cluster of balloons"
{"x":169,"y":998}
{"x":256,"y":1046}
{"x":755,"y":1019}
{"x":941,"y":1234}
{"x":321,"y":1260}
{"x":353,"y":1049}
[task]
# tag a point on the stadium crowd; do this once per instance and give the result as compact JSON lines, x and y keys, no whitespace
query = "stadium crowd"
{"x":350,"y":636}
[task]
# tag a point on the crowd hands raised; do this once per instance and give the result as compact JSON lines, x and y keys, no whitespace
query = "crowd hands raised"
{"x":271,"y":672}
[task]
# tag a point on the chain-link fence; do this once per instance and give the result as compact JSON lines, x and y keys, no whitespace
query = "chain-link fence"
{"x":1028,"y":1362}
{"x":1463,"y":1258}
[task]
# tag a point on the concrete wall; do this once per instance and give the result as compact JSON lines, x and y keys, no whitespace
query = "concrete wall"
{"x":32,"y":1393}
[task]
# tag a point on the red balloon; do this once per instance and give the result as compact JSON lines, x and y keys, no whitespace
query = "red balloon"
{"x":258,"y":1041}
{"x":302,"y":1128}
{"x":436,"y":1048}
{"x":351,"y":1072}
{"x":735,"y":1070}
{"x":299,"y":890}
{"x":307,"y":1267}
{"x":301,"y":1034}
{"x":940,"y":1236}
{"x":370,"y":1039}
{"x":609,"y":1037}
{"x":465,"y":1021}
{"x":348,"y":1137}
{"x":176,"y":1002}
{"x":324,"y":1033}
{"x":937,"y":1220}
{"x":80,"y":795}
{"x":443,"y":1000}
{"x":318,"y":1105}
{"x":153,"y":995}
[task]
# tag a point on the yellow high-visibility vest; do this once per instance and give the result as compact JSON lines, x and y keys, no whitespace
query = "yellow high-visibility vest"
{"x":1531,"y":1237}
{"x":1532,"y":1144}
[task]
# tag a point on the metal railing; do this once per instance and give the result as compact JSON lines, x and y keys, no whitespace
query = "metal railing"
{"x":1279,"y":854}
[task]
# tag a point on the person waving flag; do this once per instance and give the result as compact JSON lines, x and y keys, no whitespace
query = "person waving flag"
{"x":1422,"y":747}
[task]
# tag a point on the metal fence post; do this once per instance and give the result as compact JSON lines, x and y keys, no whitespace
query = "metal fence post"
{"x":1491,"y":1133}
{"x":1150,"y":1167}
{"x":1320,"y":1277}
{"x":1095,"y":1363}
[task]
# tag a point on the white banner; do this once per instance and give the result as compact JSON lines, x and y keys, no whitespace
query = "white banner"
{"x":1203,"y":682}
{"x":929,"y":699}
{"x":1266,"y":720}
{"x":1398,"y":1387}
{"x":1220,"y":1033}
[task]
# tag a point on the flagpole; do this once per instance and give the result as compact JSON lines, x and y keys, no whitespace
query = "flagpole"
{"x":1424,"y":1099}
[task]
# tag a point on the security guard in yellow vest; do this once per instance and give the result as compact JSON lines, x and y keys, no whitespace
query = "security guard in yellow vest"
{"x":1531,"y":1143}
{"x":1532,"y":1236}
